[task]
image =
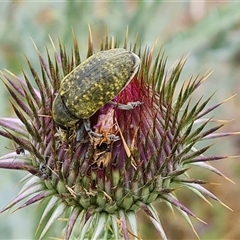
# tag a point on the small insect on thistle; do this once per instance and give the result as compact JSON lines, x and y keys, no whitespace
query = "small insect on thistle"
{"x":19,"y":150}
{"x":43,"y":171}
{"x":92,"y":84}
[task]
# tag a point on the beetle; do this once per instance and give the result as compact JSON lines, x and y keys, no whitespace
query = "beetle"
{"x":92,"y":84}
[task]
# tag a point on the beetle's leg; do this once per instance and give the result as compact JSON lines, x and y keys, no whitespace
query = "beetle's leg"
{"x":89,"y":130}
{"x":80,"y":132}
{"x":113,"y":137}
{"x":126,"y":106}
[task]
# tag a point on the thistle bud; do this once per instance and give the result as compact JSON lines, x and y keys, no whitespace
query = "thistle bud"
{"x":134,"y":155}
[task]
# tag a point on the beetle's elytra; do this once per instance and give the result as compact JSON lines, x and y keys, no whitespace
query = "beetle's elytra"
{"x":93,"y":83}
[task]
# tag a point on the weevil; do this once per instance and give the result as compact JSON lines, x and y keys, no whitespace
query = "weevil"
{"x":92,"y":84}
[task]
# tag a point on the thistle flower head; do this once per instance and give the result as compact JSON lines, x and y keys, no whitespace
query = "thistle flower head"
{"x":134,"y":158}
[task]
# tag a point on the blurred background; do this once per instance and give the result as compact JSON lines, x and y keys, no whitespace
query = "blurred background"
{"x":206,"y":30}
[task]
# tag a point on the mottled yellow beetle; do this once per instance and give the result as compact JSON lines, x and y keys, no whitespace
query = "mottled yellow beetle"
{"x":93,"y":83}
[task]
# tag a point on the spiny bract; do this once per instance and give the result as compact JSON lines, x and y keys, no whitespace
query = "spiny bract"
{"x":99,"y":184}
